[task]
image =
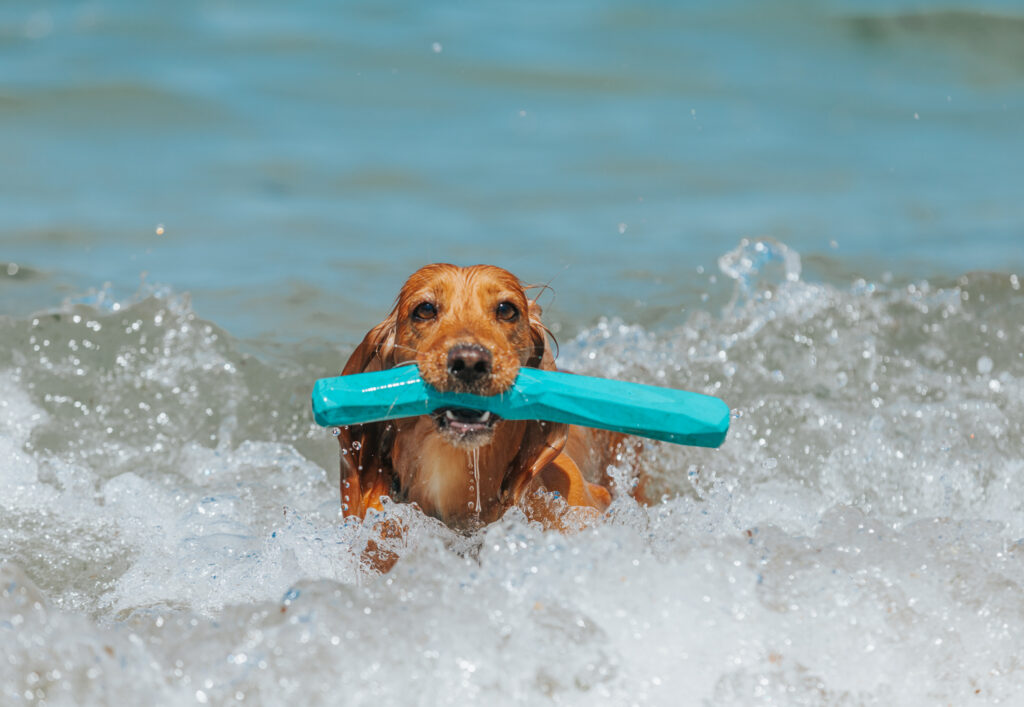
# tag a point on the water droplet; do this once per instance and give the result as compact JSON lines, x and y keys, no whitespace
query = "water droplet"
{"x":357,"y":445}
{"x":752,"y":261}
{"x":336,"y":431}
{"x":984,"y":365}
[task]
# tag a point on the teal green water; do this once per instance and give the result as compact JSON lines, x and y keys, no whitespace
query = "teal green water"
{"x":304,"y":157}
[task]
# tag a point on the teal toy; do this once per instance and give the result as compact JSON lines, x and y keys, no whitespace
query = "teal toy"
{"x":645,"y":410}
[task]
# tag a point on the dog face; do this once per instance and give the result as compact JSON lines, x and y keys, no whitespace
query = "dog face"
{"x":469,"y":330}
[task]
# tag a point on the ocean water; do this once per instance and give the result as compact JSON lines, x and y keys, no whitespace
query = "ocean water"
{"x":810,"y":210}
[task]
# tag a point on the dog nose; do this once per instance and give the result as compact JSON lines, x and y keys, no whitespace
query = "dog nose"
{"x":469,"y":362}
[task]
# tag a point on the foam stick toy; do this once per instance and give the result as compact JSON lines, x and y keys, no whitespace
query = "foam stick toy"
{"x":645,"y":410}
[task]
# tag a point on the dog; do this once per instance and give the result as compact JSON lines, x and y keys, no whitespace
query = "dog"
{"x":470,"y":330}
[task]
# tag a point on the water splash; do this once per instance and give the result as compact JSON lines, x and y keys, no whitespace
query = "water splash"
{"x":756,"y":263}
{"x":861,"y":524}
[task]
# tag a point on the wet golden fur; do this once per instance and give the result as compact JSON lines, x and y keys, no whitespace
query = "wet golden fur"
{"x":416,"y":460}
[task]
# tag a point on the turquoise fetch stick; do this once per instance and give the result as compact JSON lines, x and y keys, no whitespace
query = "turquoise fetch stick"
{"x":645,"y":410}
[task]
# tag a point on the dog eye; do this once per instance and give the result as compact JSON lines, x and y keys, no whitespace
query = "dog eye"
{"x":424,"y":311}
{"x":507,"y":312}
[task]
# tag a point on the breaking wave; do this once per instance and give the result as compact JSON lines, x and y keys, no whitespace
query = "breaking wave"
{"x":171,"y":533}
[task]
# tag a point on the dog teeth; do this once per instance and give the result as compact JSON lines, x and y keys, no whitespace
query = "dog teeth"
{"x":482,"y":417}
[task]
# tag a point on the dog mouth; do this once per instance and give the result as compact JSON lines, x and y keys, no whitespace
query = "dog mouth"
{"x":465,"y":424}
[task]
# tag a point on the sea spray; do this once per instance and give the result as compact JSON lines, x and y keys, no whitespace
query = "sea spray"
{"x":171,"y":523}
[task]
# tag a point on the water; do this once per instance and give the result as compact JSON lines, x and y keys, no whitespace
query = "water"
{"x":809,"y":210}
{"x":171,"y":520}
{"x":302,"y":158}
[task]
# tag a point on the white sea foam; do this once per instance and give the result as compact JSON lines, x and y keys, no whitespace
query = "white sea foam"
{"x":857,"y":540}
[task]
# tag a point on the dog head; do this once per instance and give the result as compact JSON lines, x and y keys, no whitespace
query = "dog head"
{"x":469,"y":330}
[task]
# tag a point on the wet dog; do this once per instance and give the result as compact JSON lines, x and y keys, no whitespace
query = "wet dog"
{"x":470,"y":330}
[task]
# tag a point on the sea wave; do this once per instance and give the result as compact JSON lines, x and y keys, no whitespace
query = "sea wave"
{"x":171,"y":530}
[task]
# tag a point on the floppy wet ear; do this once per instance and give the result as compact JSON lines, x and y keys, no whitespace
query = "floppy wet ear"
{"x":366,"y":470}
{"x":542,"y":357}
{"x":542,"y":443}
{"x":377,"y":350}
{"x":366,"y":467}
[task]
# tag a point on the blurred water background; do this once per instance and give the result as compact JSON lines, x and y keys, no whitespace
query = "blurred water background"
{"x":810,"y":209}
{"x":302,"y":158}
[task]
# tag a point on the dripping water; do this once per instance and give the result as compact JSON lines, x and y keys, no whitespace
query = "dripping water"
{"x":474,"y":464}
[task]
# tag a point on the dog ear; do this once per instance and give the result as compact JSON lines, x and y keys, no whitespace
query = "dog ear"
{"x":377,"y":350}
{"x":366,"y":470}
{"x":542,"y":443}
{"x":541,"y":339}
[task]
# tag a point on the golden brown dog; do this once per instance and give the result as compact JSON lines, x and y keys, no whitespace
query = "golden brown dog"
{"x":469,"y":330}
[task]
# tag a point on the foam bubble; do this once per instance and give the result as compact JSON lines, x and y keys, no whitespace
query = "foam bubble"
{"x":984,"y":365}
